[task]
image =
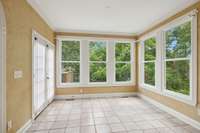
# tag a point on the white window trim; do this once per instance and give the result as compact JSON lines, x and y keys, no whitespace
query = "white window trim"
{"x":59,"y":67}
{"x":106,"y":62}
{"x":192,"y":98}
{"x":142,"y":84}
{"x":84,"y":61}
{"x":160,"y":60}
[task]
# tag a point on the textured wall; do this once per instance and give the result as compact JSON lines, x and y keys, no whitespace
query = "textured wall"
{"x":20,"y":20}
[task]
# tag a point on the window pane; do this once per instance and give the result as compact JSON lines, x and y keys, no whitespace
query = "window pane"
{"x":70,"y":72}
{"x":150,"y":49}
{"x":177,"y":76}
{"x":123,"y":72}
{"x":149,"y":73}
{"x":97,"y":51}
{"x":178,"y":41}
{"x":70,"y":51}
{"x":123,"y":51}
{"x":97,"y":72}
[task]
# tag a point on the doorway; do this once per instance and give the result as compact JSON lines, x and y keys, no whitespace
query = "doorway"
{"x":43,"y":73}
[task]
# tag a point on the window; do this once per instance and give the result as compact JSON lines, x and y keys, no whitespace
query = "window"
{"x":178,"y":58}
{"x":86,"y":62}
{"x":70,"y":61}
{"x":171,"y":56}
{"x":122,"y":62}
{"x":149,"y":58}
{"x":97,"y":61}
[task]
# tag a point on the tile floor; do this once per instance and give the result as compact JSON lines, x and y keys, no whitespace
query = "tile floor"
{"x":108,"y":115}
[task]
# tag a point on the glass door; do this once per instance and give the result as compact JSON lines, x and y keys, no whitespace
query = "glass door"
{"x":43,"y":74}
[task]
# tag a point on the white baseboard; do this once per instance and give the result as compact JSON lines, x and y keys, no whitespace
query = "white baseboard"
{"x":173,"y":112}
{"x":99,"y":95}
{"x":25,"y":127}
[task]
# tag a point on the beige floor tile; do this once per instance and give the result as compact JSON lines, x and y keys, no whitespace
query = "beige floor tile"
{"x":72,"y":130}
{"x":100,"y":120}
{"x":73,"y":123}
{"x":113,"y":120}
{"x":88,"y":129}
{"x":87,"y":122}
{"x":57,"y":131}
{"x":157,"y":124}
{"x":59,"y":124}
{"x":117,"y":127}
{"x":131,"y":126}
{"x":45,"y":126}
{"x":165,"y":130}
{"x":150,"y":131}
{"x":179,"y":130}
{"x":136,"y":131}
{"x":103,"y":129}
{"x":144,"y":125}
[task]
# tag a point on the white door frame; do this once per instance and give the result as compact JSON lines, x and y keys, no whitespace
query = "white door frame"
{"x":2,"y":70}
{"x":36,"y":34}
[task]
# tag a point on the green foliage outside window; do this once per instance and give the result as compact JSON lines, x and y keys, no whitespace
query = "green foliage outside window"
{"x":122,"y":51}
{"x":97,"y":61}
{"x":177,"y":74}
{"x":178,"y":45}
{"x":178,"y":41}
{"x":123,"y":58}
{"x":97,"y":72}
{"x":123,"y":72}
{"x":149,"y":55}
{"x":150,"y":49}
{"x":70,"y":70}
{"x":149,"y":73}
{"x":97,"y":51}
{"x":70,"y":51}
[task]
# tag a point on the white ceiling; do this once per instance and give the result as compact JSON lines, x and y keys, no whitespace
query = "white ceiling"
{"x":106,"y":16}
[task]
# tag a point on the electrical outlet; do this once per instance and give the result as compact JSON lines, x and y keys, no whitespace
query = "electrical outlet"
{"x":9,"y":125}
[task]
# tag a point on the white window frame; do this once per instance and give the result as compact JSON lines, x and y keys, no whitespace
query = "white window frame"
{"x":192,"y":98}
{"x":84,"y":63}
{"x":155,"y":88}
{"x":131,"y":62}
{"x":59,"y":67}
{"x":106,"y":62}
{"x":160,"y":60}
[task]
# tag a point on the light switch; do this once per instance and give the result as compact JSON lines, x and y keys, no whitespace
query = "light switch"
{"x":18,"y":74}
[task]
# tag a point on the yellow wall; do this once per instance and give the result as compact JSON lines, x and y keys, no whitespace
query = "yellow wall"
{"x":20,"y":20}
{"x":186,"y":109}
{"x":93,"y":90}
